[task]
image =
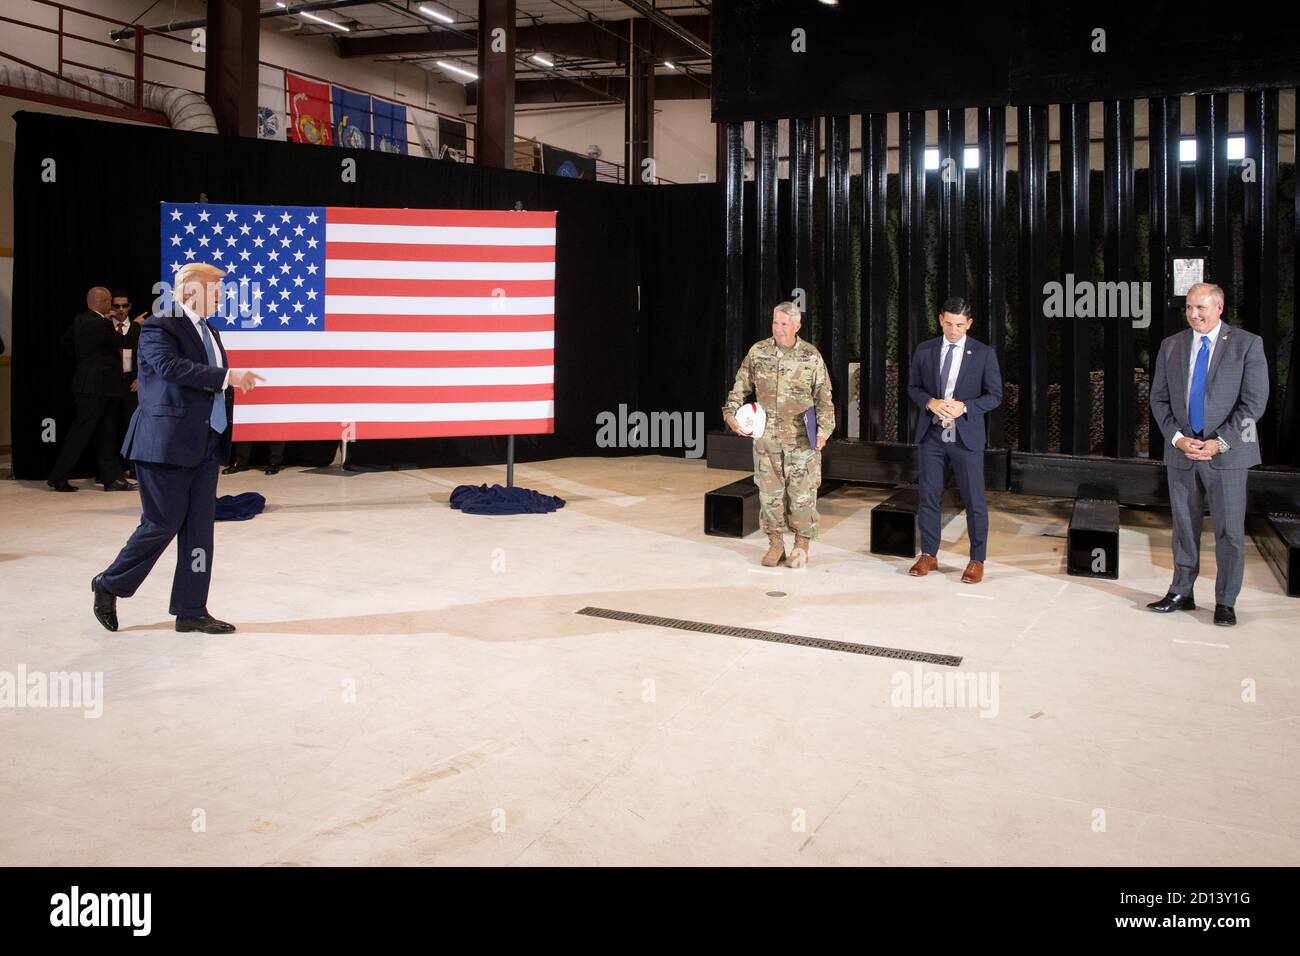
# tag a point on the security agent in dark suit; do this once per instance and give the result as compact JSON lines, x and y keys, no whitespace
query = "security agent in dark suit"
{"x":954,"y":381}
{"x":99,"y":388}
{"x":1209,"y":391}
{"x":178,"y":439}
{"x":119,"y":313}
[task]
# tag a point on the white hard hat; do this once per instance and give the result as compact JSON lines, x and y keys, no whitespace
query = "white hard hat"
{"x":751,"y":418}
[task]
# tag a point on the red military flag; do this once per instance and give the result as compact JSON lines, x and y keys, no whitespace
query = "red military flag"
{"x":309,"y":111}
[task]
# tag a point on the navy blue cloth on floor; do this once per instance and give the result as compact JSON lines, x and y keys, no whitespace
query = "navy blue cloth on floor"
{"x":240,"y":507}
{"x":498,"y":500}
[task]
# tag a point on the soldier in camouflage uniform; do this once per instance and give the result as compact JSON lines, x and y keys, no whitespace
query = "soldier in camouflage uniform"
{"x":787,"y":376}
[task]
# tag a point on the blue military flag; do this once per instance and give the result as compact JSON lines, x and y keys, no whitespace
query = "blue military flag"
{"x":351,"y":118}
{"x":390,"y":126}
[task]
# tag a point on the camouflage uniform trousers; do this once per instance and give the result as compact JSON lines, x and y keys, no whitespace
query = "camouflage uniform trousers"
{"x":788,"y":475}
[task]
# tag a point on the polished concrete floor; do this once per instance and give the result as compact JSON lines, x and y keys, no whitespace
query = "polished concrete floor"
{"x":411,"y":685}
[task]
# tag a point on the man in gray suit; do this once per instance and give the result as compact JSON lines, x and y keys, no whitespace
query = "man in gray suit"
{"x":1209,"y":391}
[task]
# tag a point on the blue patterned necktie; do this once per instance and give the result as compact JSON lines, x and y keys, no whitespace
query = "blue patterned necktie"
{"x":218,"y":417}
{"x":1196,"y":400}
{"x":943,"y":374}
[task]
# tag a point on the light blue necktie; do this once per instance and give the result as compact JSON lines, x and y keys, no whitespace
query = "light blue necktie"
{"x":218,"y":417}
{"x":1196,"y":400}
{"x":944,"y":369}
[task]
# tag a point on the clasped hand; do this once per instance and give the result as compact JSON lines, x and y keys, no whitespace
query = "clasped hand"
{"x":1198,"y":450}
{"x":947,"y":407}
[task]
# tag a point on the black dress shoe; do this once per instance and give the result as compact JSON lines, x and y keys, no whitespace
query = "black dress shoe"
{"x":233,"y":469}
{"x":273,"y":469}
{"x":1224,"y":616}
{"x":205,"y":623}
{"x":61,"y":485}
{"x":105,"y":604}
{"x":1173,"y":602}
{"x":120,"y":485}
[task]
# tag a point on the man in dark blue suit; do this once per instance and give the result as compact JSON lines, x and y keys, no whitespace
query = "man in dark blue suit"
{"x":954,"y":381}
{"x":178,"y":439}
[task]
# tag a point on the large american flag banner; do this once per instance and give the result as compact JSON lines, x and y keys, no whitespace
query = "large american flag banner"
{"x":379,"y":323}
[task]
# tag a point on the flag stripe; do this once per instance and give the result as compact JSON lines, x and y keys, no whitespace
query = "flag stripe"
{"x":360,"y":431}
{"x":413,"y":252}
{"x":471,"y":218}
{"x":362,"y":376}
{"x":390,"y":341}
{"x":424,"y":269}
{"x":378,"y":358}
{"x":395,"y":412}
{"x":389,"y":394}
{"x":443,"y":323}
{"x":438,"y":235}
{"x":438,"y":305}
{"x":440,"y":288}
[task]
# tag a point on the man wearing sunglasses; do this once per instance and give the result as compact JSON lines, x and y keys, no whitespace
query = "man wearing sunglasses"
{"x":120,"y":315}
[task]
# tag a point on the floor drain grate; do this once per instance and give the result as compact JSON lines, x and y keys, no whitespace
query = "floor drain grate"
{"x":752,"y":634}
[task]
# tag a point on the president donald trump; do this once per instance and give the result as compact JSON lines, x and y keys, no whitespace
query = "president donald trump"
{"x":178,"y":439}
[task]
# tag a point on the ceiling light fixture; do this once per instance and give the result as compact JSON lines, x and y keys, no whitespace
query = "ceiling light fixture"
{"x":328,"y":23}
{"x":457,"y":69}
{"x":437,"y":15}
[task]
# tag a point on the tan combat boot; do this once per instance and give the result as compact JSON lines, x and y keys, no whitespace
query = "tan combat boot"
{"x":775,"y":551}
{"x":799,"y":556}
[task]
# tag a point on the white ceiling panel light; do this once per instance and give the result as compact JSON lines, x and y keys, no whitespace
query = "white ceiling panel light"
{"x":458,"y":70}
{"x":429,"y":11}
{"x":329,"y":23}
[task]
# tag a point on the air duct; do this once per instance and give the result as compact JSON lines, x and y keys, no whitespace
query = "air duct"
{"x":183,"y":109}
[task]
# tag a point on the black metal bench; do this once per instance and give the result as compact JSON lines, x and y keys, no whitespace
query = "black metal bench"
{"x":894,"y":528}
{"x":1277,"y":535}
{"x":732,"y":510}
{"x":1092,"y":541}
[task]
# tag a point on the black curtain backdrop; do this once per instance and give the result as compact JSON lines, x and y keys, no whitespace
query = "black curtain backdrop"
{"x":679,"y":334}
{"x":96,"y":223}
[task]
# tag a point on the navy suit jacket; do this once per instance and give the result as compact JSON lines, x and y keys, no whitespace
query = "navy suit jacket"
{"x":176,"y":388}
{"x":979,"y":385}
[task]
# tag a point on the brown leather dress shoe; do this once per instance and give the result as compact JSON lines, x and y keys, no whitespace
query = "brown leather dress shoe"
{"x":924,"y":565}
{"x":974,"y":573}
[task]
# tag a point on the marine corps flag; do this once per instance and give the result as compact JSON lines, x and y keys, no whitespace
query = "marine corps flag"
{"x":309,"y":111}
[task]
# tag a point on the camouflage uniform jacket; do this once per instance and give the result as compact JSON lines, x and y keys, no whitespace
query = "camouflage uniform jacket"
{"x":785,"y":382}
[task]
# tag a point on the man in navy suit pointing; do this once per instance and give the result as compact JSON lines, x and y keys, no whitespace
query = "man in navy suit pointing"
{"x":954,"y":381}
{"x":178,"y":439}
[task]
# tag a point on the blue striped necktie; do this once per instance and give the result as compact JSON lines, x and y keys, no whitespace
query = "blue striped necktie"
{"x":218,"y":417}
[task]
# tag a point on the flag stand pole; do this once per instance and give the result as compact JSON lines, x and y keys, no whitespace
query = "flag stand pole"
{"x":510,"y":439}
